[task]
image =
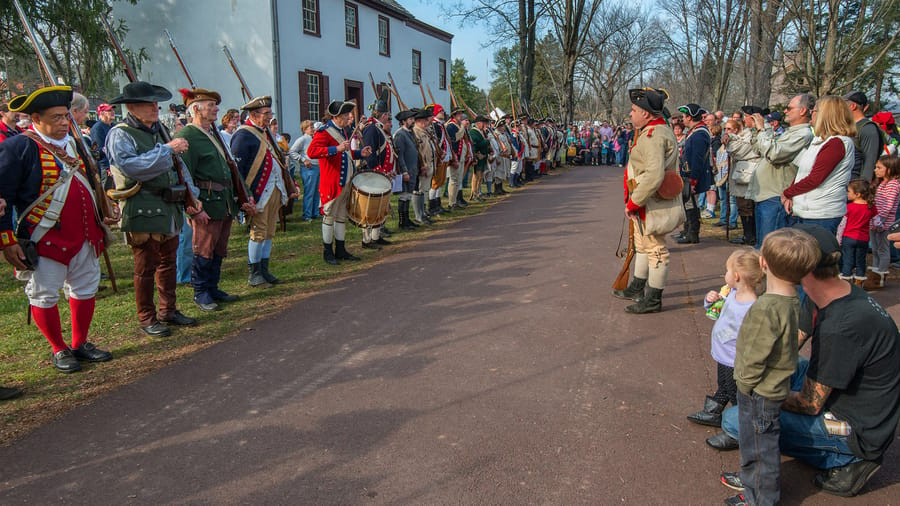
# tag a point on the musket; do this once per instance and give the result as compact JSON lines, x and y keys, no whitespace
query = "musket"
{"x":396,"y":91}
{"x":374,"y":88}
{"x":621,"y":281}
{"x":240,"y":189}
{"x":279,"y":156}
{"x":104,"y":206}
{"x":433,"y":101}
{"x":424,"y":101}
{"x":512,"y":103}
{"x":471,"y":113}
{"x":453,"y":101}
{"x":189,"y":199}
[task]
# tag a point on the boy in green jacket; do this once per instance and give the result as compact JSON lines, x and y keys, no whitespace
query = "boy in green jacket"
{"x":766,"y":358}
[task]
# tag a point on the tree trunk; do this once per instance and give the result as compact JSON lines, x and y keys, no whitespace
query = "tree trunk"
{"x":762,"y":49}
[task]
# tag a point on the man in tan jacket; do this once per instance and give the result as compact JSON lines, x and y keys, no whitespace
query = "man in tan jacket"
{"x":653,"y":199}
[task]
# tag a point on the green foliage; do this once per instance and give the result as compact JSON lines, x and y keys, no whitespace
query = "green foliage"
{"x":463,"y":85}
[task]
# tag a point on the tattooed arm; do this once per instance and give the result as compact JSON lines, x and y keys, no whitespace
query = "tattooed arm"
{"x":809,"y":400}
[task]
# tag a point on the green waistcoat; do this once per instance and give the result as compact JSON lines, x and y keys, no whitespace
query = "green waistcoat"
{"x":480,"y":145}
{"x":206,"y":164}
{"x":146,"y":211}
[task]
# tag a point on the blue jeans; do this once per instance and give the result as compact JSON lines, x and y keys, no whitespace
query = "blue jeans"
{"x":802,"y":436}
{"x":733,"y":212}
{"x":620,"y":156}
{"x":770,"y":216}
{"x":701,"y":201}
{"x":853,"y":255}
{"x":310,"y":178}
{"x":830,"y":224}
{"x":185,"y":254}
{"x":760,"y":426}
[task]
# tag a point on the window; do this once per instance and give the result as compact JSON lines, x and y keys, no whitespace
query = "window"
{"x":311,"y":17}
{"x":351,"y":24}
{"x":384,"y":36}
{"x":312,"y":91}
{"x":416,"y":66}
{"x":442,"y":73}
{"x":313,"y":94}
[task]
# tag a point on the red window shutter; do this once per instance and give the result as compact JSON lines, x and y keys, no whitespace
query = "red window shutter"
{"x":323,"y":96}
{"x":303,"y":94}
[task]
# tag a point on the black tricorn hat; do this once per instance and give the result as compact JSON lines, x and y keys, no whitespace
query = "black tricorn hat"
{"x":754,"y":109}
{"x":382,"y":103}
{"x":338,"y":107}
{"x":424,"y":113}
{"x":649,"y":99}
{"x":141,"y":92}
{"x":457,"y":110}
{"x":692,"y":110}
{"x":404,"y":115}
{"x":481,"y":118}
{"x":40,"y":99}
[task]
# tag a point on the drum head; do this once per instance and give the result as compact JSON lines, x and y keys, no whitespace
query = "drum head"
{"x":372,"y":183}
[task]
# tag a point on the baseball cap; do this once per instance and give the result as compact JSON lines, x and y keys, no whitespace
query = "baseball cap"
{"x":774,"y":116}
{"x":104,"y":107}
{"x":857,"y":97}
{"x":826,"y":240}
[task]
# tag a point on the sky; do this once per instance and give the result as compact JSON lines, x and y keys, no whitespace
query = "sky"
{"x":466,"y":40}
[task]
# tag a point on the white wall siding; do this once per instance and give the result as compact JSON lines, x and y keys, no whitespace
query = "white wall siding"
{"x":330,"y":55}
{"x":200,"y":29}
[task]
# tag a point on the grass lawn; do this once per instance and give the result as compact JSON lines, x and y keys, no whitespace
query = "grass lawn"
{"x":296,"y":260}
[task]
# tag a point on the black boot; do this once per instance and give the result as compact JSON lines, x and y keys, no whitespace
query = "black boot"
{"x":403,"y":215}
{"x":201,"y":280}
{"x":460,"y":201}
{"x":692,"y":227}
{"x":328,"y":254}
{"x":744,"y":239}
{"x":651,"y":303}
{"x":634,"y":291}
{"x":711,"y":414}
{"x":256,"y":278}
{"x":341,"y":253}
{"x":217,"y":294}
{"x":264,"y":267}
{"x":500,"y":190}
{"x":750,"y":229}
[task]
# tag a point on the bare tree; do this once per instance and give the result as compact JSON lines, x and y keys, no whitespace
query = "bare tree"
{"x":623,"y":44}
{"x":508,"y":19}
{"x":571,"y":23}
{"x":724,"y":26}
{"x":839,"y":43}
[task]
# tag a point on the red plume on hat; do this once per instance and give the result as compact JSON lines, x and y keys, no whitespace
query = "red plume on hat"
{"x":197,"y":94}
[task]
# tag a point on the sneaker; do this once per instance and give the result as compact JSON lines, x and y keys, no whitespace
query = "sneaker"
{"x":732,"y":481}
{"x":895,"y":265}
{"x":707,"y":215}
{"x":737,"y":500}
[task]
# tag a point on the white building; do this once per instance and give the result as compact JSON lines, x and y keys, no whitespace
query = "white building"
{"x":302,"y":52}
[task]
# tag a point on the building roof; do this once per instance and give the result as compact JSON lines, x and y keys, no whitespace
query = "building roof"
{"x":394,"y":8}
{"x":392,"y":5}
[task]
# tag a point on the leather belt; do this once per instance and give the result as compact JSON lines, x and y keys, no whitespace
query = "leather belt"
{"x":211,"y":186}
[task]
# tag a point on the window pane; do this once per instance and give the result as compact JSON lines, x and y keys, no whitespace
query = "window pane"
{"x":350,"y":24}
{"x":312,"y":86}
{"x":416,"y":66}
{"x":309,"y":15}
{"x":383,"y":36}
